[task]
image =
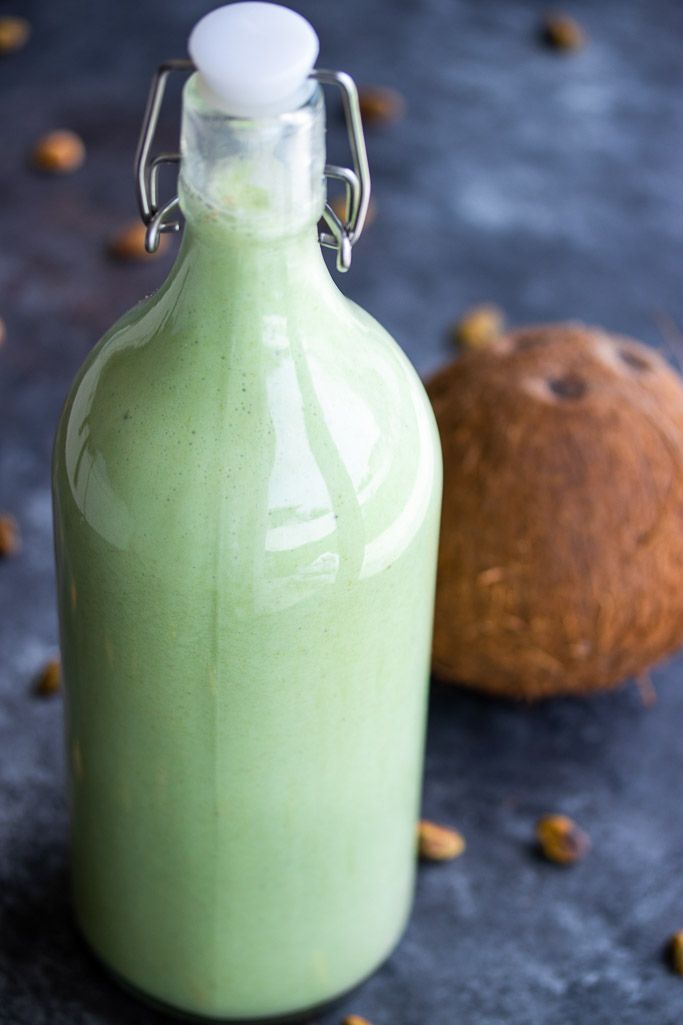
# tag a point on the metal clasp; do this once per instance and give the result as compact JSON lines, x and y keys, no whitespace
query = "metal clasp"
{"x":342,"y":235}
{"x":158,"y":219}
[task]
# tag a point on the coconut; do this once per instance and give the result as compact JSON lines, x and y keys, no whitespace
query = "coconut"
{"x":561,"y":553}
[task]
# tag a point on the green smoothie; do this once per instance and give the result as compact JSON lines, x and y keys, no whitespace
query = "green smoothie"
{"x":247,"y":490}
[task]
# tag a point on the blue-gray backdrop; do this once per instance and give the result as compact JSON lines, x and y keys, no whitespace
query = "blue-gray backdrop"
{"x":549,"y":183}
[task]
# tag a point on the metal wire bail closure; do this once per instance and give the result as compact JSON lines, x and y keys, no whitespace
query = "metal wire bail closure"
{"x":342,"y":234}
{"x":158,"y":219}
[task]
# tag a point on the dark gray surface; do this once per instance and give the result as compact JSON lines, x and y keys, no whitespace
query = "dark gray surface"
{"x":549,"y":183}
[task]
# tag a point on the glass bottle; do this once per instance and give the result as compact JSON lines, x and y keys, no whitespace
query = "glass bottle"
{"x":247,"y":487}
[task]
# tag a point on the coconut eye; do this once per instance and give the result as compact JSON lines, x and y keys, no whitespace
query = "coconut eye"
{"x":569,"y":386}
{"x":529,"y":342}
{"x":635,"y":360}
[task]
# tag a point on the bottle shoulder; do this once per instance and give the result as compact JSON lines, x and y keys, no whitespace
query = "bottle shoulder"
{"x":152,"y":359}
{"x":315,"y":432}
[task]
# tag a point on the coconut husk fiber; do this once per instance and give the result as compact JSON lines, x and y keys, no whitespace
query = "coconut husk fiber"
{"x":561,"y":553}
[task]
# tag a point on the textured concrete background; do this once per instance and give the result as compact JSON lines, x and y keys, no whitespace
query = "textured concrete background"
{"x":551,"y":184}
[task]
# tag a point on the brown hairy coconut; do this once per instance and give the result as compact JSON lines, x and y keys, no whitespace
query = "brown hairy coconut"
{"x":561,"y":557}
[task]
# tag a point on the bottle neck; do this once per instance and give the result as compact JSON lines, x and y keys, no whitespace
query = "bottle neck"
{"x":251,"y":181}
{"x":216,"y":263}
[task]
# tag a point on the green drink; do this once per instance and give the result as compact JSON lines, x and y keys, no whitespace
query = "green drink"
{"x":247,"y":494}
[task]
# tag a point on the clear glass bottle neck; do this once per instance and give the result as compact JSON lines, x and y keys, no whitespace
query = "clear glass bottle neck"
{"x":260,"y":178}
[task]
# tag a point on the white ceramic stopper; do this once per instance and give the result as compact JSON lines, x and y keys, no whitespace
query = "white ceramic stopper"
{"x":254,"y":58}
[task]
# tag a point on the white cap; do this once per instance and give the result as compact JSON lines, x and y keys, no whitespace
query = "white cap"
{"x":254,"y":58}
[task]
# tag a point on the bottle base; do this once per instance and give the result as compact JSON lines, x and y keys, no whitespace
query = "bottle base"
{"x":290,"y":1018}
